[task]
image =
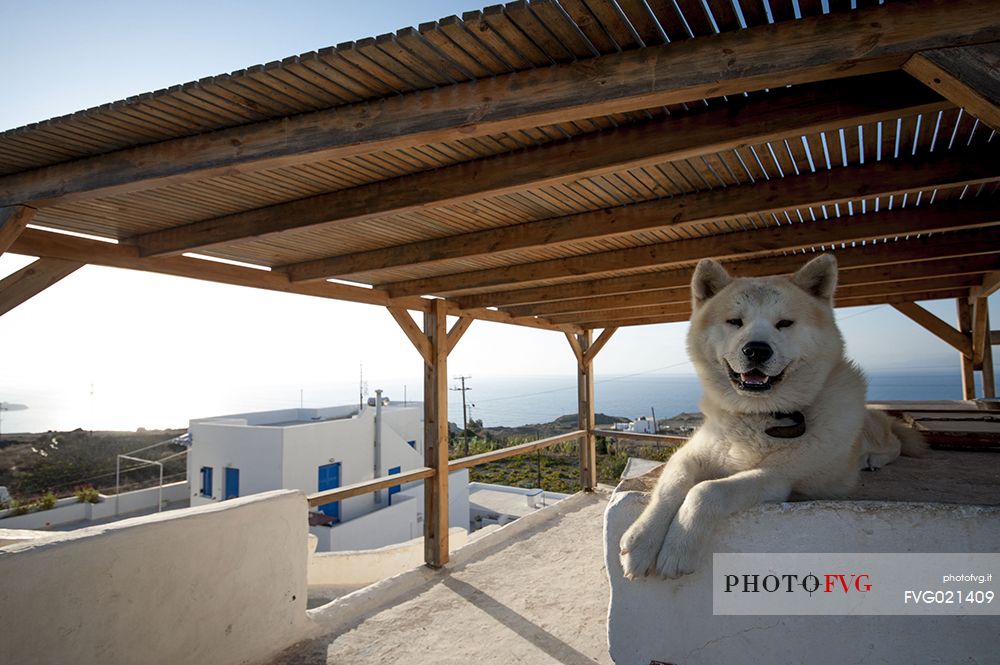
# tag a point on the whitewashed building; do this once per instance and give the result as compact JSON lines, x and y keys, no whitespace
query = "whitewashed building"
{"x":318,"y":449}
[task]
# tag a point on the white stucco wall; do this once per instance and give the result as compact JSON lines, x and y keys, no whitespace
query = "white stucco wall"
{"x":458,"y":498}
{"x":255,"y":451}
{"x":70,"y":509}
{"x":672,"y":620}
{"x":221,"y":584}
{"x":357,"y":568}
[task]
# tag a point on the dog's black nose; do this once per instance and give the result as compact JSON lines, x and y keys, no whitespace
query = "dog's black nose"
{"x":758,"y":352}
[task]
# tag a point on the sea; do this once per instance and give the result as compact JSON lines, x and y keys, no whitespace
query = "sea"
{"x":497,"y":401}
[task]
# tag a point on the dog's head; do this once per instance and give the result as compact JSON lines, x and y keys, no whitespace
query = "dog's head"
{"x":768,"y":343}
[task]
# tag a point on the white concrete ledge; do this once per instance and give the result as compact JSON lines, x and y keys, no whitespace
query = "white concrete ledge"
{"x":221,"y":584}
{"x":671,"y":621}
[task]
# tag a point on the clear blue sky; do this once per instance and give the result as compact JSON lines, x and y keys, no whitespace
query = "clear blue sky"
{"x":146,"y":341}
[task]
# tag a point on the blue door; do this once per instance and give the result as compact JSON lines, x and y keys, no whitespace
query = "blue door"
{"x":395,"y":488}
{"x":232,"y":483}
{"x":329,"y":478}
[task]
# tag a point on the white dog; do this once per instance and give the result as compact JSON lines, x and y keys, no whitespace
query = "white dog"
{"x":784,"y":413}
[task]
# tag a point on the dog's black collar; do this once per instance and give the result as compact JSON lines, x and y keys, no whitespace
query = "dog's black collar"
{"x":788,"y":431}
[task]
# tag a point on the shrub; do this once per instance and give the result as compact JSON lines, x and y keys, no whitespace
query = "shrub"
{"x":18,"y":508}
{"x":47,"y":502}
{"x":87,"y":494}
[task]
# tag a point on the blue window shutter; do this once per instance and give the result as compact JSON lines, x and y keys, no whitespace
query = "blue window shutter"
{"x":206,"y":481}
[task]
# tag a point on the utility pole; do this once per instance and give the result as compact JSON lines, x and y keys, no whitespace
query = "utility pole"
{"x":656,"y":428}
{"x":465,"y":412}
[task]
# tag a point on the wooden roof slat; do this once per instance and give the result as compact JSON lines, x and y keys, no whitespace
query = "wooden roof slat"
{"x":456,"y":30}
{"x":696,"y":18}
{"x":568,"y":33}
{"x":498,"y":18}
{"x":694,"y":70}
{"x":479,"y":27}
{"x":614,"y":23}
{"x":454,"y":52}
{"x":643,"y":21}
{"x":753,"y":12}
{"x":435,"y":58}
{"x":590,"y":26}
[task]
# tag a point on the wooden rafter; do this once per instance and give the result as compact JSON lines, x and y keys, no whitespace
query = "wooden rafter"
{"x":13,"y":220}
{"x":967,"y":75}
{"x":990,"y":285}
{"x":812,"y":190}
{"x":31,"y":280}
{"x":458,"y":329}
{"x":814,"y":49}
{"x":598,"y":344}
{"x":884,"y":255}
{"x":905,"y":273}
{"x":946,"y":216}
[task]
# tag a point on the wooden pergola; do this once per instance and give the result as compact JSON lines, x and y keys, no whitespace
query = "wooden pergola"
{"x":557,"y":164}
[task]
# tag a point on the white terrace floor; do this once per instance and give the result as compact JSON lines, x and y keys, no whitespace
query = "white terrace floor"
{"x":533,"y":592}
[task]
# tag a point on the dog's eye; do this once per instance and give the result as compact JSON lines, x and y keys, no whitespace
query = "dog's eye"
{"x":784,"y":323}
{"x":735,"y":322}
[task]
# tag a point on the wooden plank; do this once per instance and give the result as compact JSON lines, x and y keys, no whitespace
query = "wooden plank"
{"x":995,"y":337}
{"x":972,"y":435}
{"x":814,"y":49}
{"x":989,"y":379}
{"x":585,"y":415}
{"x":952,"y":416}
{"x":32,"y":279}
{"x":935,"y":326}
{"x":815,"y":189}
{"x":964,"y":318}
{"x":457,"y":331}
{"x":368,"y":486}
{"x":13,"y":220}
{"x":436,"y":437}
{"x":798,"y":111}
{"x":991,"y":284}
{"x":897,"y":407}
{"x":595,"y":348}
{"x":966,"y":75}
{"x":413,"y":332}
{"x":512,"y":451}
{"x":940,"y":217}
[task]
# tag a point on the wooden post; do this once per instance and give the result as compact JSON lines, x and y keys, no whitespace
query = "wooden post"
{"x":436,"y":437}
{"x":986,"y":366}
{"x":585,"y":406}
{"x":965,"y":327}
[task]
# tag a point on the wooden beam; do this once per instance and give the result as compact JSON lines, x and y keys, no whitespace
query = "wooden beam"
{"x":935,"y":326}
{"x":889,"y":223}
{"x":980,"y":330}
{"x":966,"y":75}
{"x":964,"y":319}
{"x":413,"y":332}
{"x":13,"y":220}
{"x":887,"y":299}
{"x":991,"y":284}
{"x":995,"y":337}
{"x":512,"y":451}
{"x":819,"y":48}
{"x":457,"y":331}
{"x":915,"y":271}
{"x":31,"y":280}
{"x":585,"y":415}
{"x":436,"y":437}
{"x":824,"y":187}
{"x":368,"y":486}
{"x":595,"y":348}
{"x":879,"y":256}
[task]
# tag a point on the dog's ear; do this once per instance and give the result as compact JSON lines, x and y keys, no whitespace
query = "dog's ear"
{"x":709,"y":278}
{"x":818,"y":277}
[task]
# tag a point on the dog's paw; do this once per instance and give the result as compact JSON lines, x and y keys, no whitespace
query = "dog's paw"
{"x":639,"y":547}
{"x":679,"y":556}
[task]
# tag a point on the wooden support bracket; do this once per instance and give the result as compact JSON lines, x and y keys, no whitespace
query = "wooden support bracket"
{"x":456,"y":332}
{"x":598,"y":344}
{"x":31,"y":280}
{"x":574,"y":344}
{"x":13,"y":220}
{"x":412,"y":331}
{"x":964,"y":317}
{"x":936,"y":326}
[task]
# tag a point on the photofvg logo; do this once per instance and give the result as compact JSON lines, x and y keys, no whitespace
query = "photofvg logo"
{"x":854,"y":584}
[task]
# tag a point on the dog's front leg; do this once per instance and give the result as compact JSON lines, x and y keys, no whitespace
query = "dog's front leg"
{"x":705,"y":506}
{"x":643,"y":540}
